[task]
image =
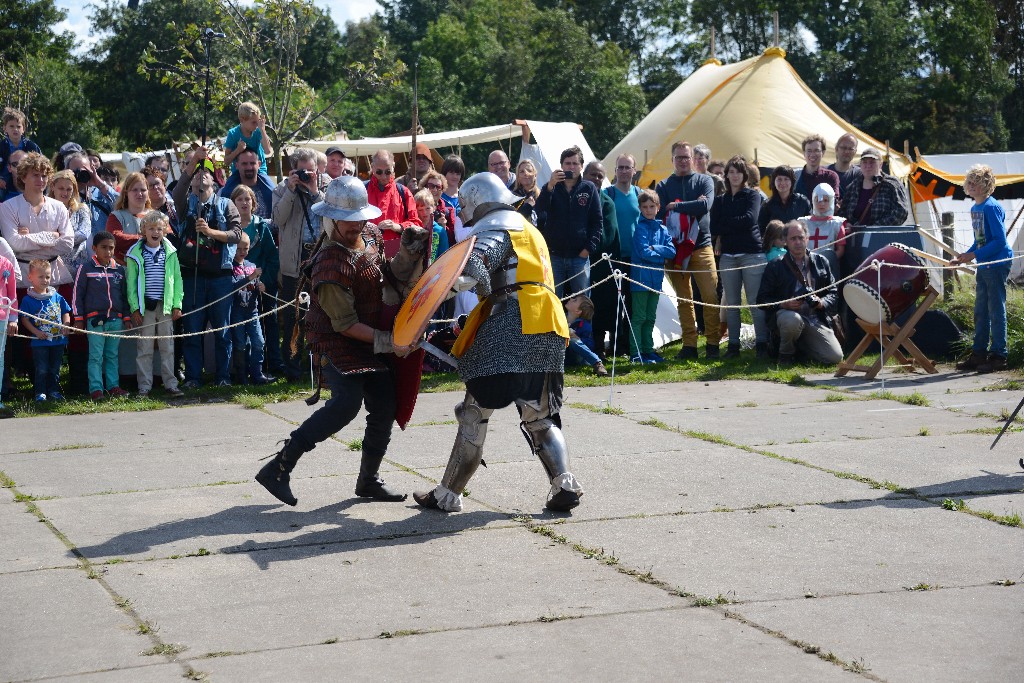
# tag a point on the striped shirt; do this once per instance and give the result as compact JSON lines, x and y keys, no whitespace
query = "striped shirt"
{"x":153,"y":262}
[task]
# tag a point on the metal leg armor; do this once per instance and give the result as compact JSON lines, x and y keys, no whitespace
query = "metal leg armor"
{"x":466,"y":453}
{"x":544,"y":434}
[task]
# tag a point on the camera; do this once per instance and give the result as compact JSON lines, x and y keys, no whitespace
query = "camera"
{"x":568,"y":175}
{"x":83,"y":176}
{"x":437,"y":214}
{"x":303,"y":175}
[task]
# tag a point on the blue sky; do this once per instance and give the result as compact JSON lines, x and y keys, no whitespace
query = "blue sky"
{"x":78,"y":15}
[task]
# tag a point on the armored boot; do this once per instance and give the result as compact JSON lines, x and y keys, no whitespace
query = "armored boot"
{"x":275,"y":475}
{"x":546,"y":440}
{"x":370,"y":485}
{"x":467,"y":453}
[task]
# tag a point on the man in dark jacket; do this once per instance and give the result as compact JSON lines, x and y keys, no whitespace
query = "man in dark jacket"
{"x":691,"y":194}
{"x":574,"y":223}
{"x":800,"y":318}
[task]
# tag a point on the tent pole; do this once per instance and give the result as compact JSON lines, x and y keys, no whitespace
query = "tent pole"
{"x":775,"y":23}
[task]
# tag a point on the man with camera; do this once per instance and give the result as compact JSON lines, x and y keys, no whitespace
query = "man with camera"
{"x":208,"y":230}
{"x":298,"y":229}
{"x":96,"y":194}
{"x":798,"y":318}
{"x":574,"y":222}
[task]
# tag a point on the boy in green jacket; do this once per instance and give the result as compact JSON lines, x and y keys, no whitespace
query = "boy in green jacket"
{"x":154,"y":298}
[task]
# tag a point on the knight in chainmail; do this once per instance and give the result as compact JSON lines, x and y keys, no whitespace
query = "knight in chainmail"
{"x":512,"y":348}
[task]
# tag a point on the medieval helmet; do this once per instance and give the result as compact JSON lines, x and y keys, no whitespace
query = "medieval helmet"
{"x":346,"y":200}
{"x":481,"y":194}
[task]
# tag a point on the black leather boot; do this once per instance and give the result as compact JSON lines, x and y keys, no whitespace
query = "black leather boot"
{"x":275,"y":475}
{"x":369,"y":485}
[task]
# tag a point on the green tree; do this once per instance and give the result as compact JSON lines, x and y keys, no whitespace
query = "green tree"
{"x":140,"y":111}
{"x":259,"y":60}
{"x":498,"y":60}
{"x":61,"y":111}
{"x":27,"y":28}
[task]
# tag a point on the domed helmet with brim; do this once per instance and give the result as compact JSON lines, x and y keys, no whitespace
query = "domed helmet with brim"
{"x":346,"y":200}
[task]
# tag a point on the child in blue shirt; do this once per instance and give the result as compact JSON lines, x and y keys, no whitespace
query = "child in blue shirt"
{"x":14,"y":139}
{"x":652,"y":245}
{"x":100,"y":306}
{"x":774,"y":240}
{"x":250,"y":133}
{"x":579,"y":311}
{"x":245,"y":309}
{"x":992,"y":252}
{"x":52,"y":318}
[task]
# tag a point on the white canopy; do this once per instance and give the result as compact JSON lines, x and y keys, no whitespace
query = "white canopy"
{"x":402,"y":144}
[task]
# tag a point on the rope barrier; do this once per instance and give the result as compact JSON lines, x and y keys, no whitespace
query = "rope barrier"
{"x":616,"y":275}
{"x":303,"y":298}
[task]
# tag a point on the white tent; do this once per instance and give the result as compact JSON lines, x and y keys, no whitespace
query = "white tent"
{"x":758,"y":107}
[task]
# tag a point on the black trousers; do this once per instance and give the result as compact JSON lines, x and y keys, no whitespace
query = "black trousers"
{"x":348,"y":392}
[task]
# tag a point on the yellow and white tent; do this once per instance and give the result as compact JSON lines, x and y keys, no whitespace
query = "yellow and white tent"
{"x":759,"y":108}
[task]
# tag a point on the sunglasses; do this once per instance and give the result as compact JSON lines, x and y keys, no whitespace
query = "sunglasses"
{"x":434,"y":186}
{"x":384,"y":171}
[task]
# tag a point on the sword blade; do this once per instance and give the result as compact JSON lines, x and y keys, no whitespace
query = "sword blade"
{"x":1009,"y":422}
{"x":446,"y":357}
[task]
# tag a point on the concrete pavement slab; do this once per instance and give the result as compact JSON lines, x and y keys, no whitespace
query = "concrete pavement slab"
{"x":214,"y":423}
{"x":931,"y":465}
{"x":703,"y":478}
{"x":237,"y":517}
{"x":587,"y":434}
{"x":59,"y":623}
{"x":1003,"y":504}
{"x":819,"y":422}
{"x":152,"y":673}
{"x":951,"y":634}
{"x":114,"y":469}
{"x":678,"y":644}
{"x":828,"y":549}
{"x":641,"y":398}
{"x":294,"y":596}
{"x":947,"y":380}
{"x":26,"y":543}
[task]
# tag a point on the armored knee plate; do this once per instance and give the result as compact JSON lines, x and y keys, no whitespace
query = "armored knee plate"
{"x":466,"y":453}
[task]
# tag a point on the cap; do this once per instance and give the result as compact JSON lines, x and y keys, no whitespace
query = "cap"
{"x":423,"y":150}
{"x":871,"y":153}
{"x":69,"y":148}
{"x":335,"y":150}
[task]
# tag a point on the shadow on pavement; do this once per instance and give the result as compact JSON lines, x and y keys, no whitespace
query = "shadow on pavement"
{"x":243,"y":520}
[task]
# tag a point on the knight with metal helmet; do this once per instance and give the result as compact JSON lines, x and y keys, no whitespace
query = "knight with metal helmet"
{"x":512,"y":347}
{"x":351,"y":287}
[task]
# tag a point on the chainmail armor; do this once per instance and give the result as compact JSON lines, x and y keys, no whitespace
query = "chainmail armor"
{"x":500,"y":345}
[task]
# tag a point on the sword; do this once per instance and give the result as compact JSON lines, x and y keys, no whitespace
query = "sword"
{"x":1006,"y":426}
{"x":448,"y":358}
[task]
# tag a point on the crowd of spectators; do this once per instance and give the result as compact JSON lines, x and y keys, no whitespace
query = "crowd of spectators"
{"x":238,"y":243}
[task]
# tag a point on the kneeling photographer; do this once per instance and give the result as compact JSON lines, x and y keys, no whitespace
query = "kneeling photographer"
{"x":804,"y":323}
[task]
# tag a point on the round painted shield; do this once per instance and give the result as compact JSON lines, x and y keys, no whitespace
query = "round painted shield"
{"x":430,"y":292}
